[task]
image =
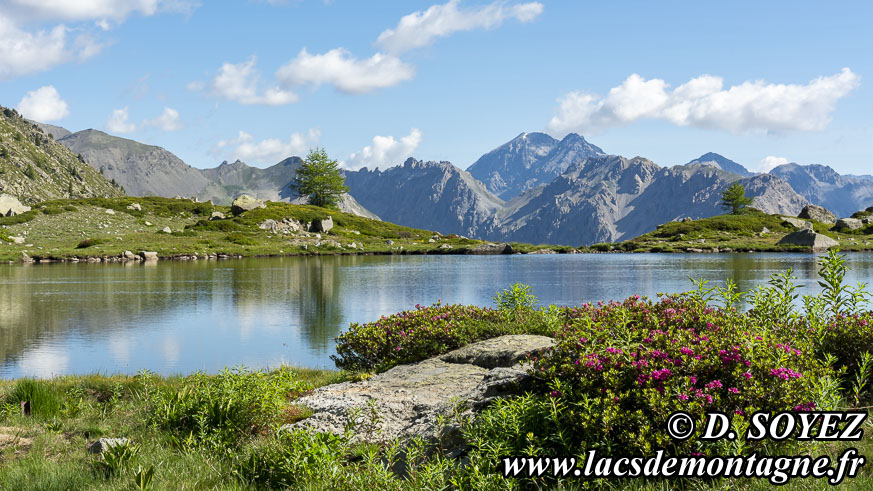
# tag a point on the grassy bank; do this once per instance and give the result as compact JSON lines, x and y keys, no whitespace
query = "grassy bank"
{"x":751,"y":232}
{"x":106,"y":227}
{"x":617,"y":373}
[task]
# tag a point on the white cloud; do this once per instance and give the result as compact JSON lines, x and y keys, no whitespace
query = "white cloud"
{"x":168,"y":120}
{"x":43,"y":104}
{"x":704,"y":102}
{"x":770,"y":162}
{"x":270,"y":150}
{"x":385,"y":151}
{"x":118,"y":123}
{"x":23,"y":52}
{"x":421,"y":28}
{"x":348,"y":74}
{"x":239,"y":82}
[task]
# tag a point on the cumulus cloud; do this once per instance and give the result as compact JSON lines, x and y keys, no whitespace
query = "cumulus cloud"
{"x":168,"y":120}
{"x":348,"y":74}
{"x":270,"y":150}
{"x":703,"y":102}
{"x":25,"y":51}
{"x":118,"y":122}
{"x":385,"y":151}
{"x":239,"y":82}
{"x":770,"y":162}
{"x":43,"y":104}
{"x":421,"y":28}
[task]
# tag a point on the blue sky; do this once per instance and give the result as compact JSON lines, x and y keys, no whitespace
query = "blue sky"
{"x":375,"y":82}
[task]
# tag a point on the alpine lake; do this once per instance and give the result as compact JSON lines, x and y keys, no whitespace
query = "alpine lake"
{"x":177,"y":317}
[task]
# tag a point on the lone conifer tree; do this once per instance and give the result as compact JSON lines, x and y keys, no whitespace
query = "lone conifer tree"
{"x":734,"y":199}
{"x":319,"y":180}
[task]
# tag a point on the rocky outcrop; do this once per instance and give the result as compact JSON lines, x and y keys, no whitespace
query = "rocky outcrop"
{"x":720,"y":162}
{"x":797,"y":223}
{"x":9,"y":206}
{"x":409,"y":400}
{"x":324,"y":225}
{"x":817,"y":213}
{"x":808,"y":238}
{"x":490,"y":249}
{"x":244,"y":203}
{"x":849,"y":224}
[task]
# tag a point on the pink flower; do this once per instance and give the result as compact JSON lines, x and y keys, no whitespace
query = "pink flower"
{"x":734,"y":390}
{"x":715,"y":384}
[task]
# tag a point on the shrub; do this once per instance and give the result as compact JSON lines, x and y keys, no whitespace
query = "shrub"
{"x":414,"y":335}
{"x":240,"y":239}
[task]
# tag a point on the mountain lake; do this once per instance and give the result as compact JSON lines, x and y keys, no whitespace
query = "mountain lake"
{"x":180,"y":317}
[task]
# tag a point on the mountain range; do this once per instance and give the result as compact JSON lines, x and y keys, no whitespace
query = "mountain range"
{"x":534,"y":188}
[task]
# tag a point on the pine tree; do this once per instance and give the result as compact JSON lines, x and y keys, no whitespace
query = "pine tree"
{"x":319,"y":180}
{"x":734,"y":199}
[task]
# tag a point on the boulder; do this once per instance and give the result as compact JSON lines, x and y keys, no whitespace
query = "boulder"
{"x":129,"y":256}
{"x":105,"y":444}
{"x":492,"y":249}
{"x":323,"y":225}
{"x":167,"y":230}
{"x":410,"y":400}
{"x":244,"y":203}
{"x":134,"y":207}
{"x":389,"y":242}
{"x":110,"y":211}
{"x":216,"y":215}
{"x":797,"y":223}
{"x":817,"y":213}
{"x":148,"y":255}
{"x":10,"y":206}
{"x":849,"y":223}
{"x":808,"y":238}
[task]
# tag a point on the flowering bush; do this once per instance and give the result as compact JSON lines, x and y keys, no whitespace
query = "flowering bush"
{"x":619,"y":370}
{"x":414,"y":335}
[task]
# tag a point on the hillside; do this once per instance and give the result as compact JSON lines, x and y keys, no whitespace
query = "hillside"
{"x":143,"y":170}
{"x":33,"y":167}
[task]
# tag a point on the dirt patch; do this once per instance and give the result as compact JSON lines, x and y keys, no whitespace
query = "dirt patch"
{"x":13,"y":438}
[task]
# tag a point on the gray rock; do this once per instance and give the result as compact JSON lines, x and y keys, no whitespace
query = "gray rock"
{"x":25,"y":258}
{"x":10,"y":206}
{"x":408,"y":400}
{"x":110,"y":211}
{"x":492,"y":249}
{"x":134,"y":207}
{"x":167,"y":230}
{"x":808,"y":238}
{"x":542,"y":251}
{"x":502,"y":351}
{"x":148,"y":255}
{"x":105,"y":444}
{"x":389,"y":242}
{"x":17,"y":240}
{"x":244,"y":203}
{"x":686,"y":219}
{"x":849,"y":223}
{"x":324,"y":225}
{"x":216,"y":215}
{"x":797,"y":223}
{"x":272,"y":225}
{"x":130,"y":256}
{"x":765,"y":231}
{"x":817,"y":213}
{"x":445,"y":247}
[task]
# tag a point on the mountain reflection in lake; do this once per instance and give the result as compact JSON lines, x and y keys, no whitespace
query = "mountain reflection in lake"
{"x":178,"y":317}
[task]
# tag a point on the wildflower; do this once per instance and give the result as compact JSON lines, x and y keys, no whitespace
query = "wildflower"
{"x":734,"y":390}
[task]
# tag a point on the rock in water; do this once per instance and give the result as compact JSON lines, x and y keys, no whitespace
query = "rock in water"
{"x":148,"y":255}
{"x":245,"y":203}
{"x":808,"y":238}
{"x":323,"y":225}
{"x":849,"y":223}
{"x":817,"y":213}
{"x":410,"y":399}
{"x":10,"y":206}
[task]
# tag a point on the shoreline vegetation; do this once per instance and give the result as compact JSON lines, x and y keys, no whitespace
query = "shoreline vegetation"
{"x":124,"y":229}
{"x":618,"y":369}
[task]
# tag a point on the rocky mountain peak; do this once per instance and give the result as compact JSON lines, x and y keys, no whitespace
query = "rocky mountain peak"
{"x":721,"y":162}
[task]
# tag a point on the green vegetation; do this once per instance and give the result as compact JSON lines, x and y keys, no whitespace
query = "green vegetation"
{"x":319,"y":180}
{"x":618,"y":371}
{"x":734,"y":199}
{"x":751,"y":231}
{"x":106,"y":227}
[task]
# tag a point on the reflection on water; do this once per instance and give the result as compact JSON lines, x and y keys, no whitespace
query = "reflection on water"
{"x":177,"y":317}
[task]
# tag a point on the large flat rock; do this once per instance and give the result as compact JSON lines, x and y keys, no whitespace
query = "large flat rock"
{"x":409,"y":400}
